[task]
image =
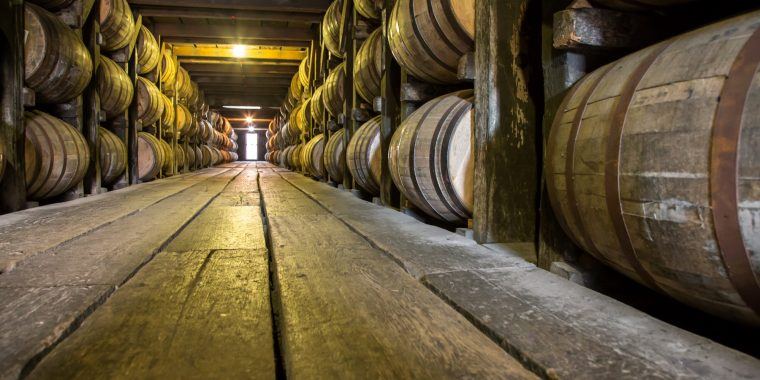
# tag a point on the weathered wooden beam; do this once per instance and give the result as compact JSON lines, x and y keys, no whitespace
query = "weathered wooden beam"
{"x":314,"y":6}
{"x":508,"y":93}
{"x":240,"y":80}
{"x":389,"y":110}
{"x":243,"y":40}
{"x":262,"y":101}
{"x":603,"y":29}
{"x":242,"y":31}
{"x":229,"y":14}
{"x":245,"y":53}
{"x":231,"y":61}
{"x":194,"y":67}
{"x":13,"y":181}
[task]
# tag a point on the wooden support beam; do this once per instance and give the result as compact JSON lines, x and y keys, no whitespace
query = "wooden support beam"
{"x":13,"y":181}
{"x":313,"y":6}
{"x":92,"y":183}
{"x":597,"y":29}
{"x":238,"y":31}
{"x":348,"y":44}
{"x":228,"y":14}
{"x":238,"y":80}
{"x":390,"y":108}
{"x":248,"y":53}
{"x":262,"y":101}
{"x":508,"y":95}
{"x":220,"y":68}
{"x":248,"y":41}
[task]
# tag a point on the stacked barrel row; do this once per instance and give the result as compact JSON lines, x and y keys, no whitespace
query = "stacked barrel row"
{"x":58,"y":67}
{"x":285,"y":132}
{"x":651,"y":164}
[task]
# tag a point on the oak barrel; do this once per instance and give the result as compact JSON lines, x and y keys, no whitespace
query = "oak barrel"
{"x":168,"y":153}
{"x":333,"y":96}
{"x":331,"y":28}
{"x":653,"y":167}
{"x":57,"y":65}
{"x":304,"y":113}
{"x":206,"y":155}
{"x":311,"y":156}
{"x":183,"y":118}
{"x":334,"y":156}
{"x":56,"y":156}
{"x":148,"y":53}
{"x":150,"y":102}
{"x":303,"y":72}
{"x":285,"y":156}
{"x":168,"y":114}
{"x":363,"y":156}
{"x":116,"y":24}
{"x":150,"y":156}
{"x":168,"y":71}
{"x":112,"y":156}
{"x":428,"y":37}
{"x":367,"y":8}
{"x":114,"y":87}
{"x":431,"y":158}
{"x":296,"y":89}
{"x":368,"y":68}
{"x":179,"y":156}
{"x":318,"y":105}
{"x":184,"y":85}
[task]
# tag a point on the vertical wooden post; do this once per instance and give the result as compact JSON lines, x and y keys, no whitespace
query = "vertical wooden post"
{"x":389,"y":110}
{"x":348,"y":46}
{"x":132,"y":121}
{"x":13,"y":182}
{"x":508,"y":97}
{"x":91,"y":32}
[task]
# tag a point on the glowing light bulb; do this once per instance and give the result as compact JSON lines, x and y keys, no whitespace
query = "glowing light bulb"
{"x":248,"y":119}
{"x":238,"y":51}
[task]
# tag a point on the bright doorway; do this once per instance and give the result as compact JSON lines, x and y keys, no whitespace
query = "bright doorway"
{"x":251,"y":146}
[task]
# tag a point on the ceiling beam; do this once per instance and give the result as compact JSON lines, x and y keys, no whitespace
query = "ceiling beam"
{"x":223,"y":68}
{"x":229,"y":14}
{"x":226,"y":51}
{"x":212,"y":79}
{"x":313,"y":6}
{"x":262,"y":101}
{"x":215,"y":40}
{"x":236,"y":62}
{"x":239,"y":31}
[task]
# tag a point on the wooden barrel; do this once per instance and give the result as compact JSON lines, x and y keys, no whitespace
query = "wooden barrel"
{"x":311,"y":156}
{"x":168,"y":153}
{"x":168,"y":114}
{"x":206,"y":155}
{"x":190,"y":157}
{"x":296,"y":89}
{"x":148,"y":52}
{"x":428,"y":38}
{"x":180,"y":156}
{"x":363,"y":156}
{"x":285,"y":157}
{"x":216,"y":156}
{"x":303,"y":116}
{"x":52,"y":5}
{"x":331,"y":28}
{"x":193,"y":100}
{"x":150,"y":156}
{"x":184,"y":118}
{"x":638,"y":5}
{"x":367,"y":9}
{"x":652,"y":167}
{"x":184,"y":85}
{"x":168,"y":71}
{"x":57,"y":65}
{"x":318,"y":105}
{"x":334,"y":156}
{"x":303,"y":72}
{"x":294,"y":160}
{"x":114,"y":87}
{"x":293,"y":117}
{"x":56,"y":156}
{"x":431,"y":158}
{"x":368,"y":68}
{"x":112,"y":156}
{"x":290,"y":134}
{"x":150,"y":102}
{"x":333,"y":97}
{"x":116,"y":24}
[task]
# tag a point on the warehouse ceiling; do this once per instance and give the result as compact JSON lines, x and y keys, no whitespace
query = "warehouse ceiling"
{"x":240,"y":52}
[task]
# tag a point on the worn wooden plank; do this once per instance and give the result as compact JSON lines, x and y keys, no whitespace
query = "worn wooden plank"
{"x":590,"y":335}
{"x":102,"y":260}
{"x":527,"y":310}
{"x":222,"y":227}
{"x":57,"y":223}
{"x":57,"y":308}
{"x":347,"y":311}
{"x":201,"y":314}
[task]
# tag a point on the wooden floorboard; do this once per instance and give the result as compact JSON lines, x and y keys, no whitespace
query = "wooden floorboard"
{"x":556,"y":327}
{"x":55,"y":224}
{"x":186,"y":315}
{"x":348,"y":311}
{"x":91,"y":265}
